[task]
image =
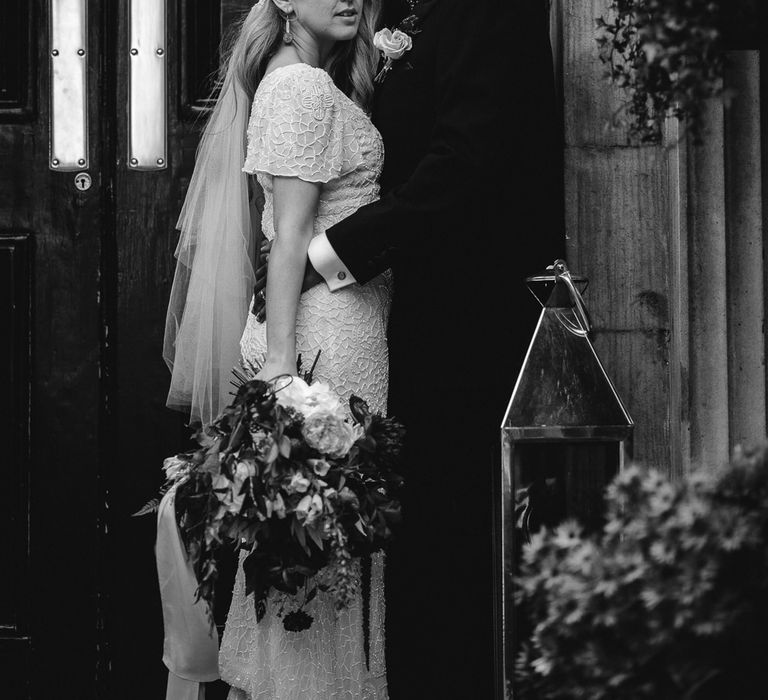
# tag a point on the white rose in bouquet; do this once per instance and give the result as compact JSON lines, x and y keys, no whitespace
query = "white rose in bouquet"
{"x":291,"y":392}
{"x":329,"y":433}
{"x":320,"y":397}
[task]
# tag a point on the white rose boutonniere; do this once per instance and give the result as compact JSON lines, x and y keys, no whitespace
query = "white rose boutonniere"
{"x":393,"y":45}
{"x":329,"y":433}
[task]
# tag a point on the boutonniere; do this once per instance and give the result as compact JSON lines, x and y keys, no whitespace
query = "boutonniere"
{"x":394,"y":44}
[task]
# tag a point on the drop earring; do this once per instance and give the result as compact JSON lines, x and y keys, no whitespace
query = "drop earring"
{"x":287,"y":34}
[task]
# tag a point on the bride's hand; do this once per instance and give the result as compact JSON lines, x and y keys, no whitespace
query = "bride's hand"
{"x":274,"y":368}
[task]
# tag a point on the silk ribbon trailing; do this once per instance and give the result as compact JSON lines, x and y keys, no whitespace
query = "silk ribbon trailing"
{"x":191,"y":647}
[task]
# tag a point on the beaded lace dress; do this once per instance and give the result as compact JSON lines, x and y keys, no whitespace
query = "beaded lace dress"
{"x":302,"y":125}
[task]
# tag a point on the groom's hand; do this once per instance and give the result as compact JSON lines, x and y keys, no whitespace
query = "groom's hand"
{"x":311,"y":278}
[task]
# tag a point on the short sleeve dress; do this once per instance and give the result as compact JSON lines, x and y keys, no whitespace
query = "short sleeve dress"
{"x":301,"y":125}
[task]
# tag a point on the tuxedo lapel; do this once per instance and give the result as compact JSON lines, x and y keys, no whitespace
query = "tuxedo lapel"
{"x":396,"y":12}
{"x":424,"y":8}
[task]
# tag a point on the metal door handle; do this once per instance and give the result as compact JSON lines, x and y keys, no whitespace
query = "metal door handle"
{"x":68,"y":33}
{"x":147,"y":111}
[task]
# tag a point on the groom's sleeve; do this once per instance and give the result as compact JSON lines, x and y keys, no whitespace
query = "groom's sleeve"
{"x":328,"y":264}
{"x":464,"y":152}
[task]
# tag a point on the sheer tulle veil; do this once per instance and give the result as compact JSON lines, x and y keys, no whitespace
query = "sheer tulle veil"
{"x":214,"y":276}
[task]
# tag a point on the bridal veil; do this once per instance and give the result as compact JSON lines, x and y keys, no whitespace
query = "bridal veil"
{"x":214,"y":276}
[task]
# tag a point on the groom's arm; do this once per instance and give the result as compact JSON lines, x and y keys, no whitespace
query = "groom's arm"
{"x":466,"y":149}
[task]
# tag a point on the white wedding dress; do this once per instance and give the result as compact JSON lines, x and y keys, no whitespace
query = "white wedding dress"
{"x":302,"y":125}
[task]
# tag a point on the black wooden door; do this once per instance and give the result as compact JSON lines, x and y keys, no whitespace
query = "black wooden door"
{"x":52,"y":315}
{"x":86,"y":265}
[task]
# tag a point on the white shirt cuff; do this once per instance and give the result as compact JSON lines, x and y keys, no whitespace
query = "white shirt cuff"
{"x":324,"y":259}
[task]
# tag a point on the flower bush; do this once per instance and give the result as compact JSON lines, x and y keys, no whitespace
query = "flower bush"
{"x":669,"y":601}
{"x":668,"y":56}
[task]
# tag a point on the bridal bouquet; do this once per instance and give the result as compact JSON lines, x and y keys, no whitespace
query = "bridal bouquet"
{"x":283,"y":473}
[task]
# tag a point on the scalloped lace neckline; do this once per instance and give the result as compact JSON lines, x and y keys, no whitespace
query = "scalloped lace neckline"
{"x":299,"y":64}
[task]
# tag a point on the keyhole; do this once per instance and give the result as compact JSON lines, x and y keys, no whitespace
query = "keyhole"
{"x":83,"y":181}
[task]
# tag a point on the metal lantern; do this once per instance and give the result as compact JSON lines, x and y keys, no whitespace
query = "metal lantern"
{"x":565,"y":436}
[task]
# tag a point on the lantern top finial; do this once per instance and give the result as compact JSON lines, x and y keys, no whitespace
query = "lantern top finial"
{"x":542,"y":283}
{"x":556,"y":287}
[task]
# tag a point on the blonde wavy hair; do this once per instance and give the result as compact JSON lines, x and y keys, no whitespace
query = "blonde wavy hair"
{"x":258,"y":36}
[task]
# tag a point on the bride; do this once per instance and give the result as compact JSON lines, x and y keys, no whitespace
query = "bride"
{"x":300,"y":74}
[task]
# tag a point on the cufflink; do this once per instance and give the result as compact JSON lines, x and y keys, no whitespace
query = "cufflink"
{"x":342,"y":275}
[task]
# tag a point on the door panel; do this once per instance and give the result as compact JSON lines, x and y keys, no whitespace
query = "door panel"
{"x":15,"y":320}
{"x":17,"y":54}
{"x":56,"y":483}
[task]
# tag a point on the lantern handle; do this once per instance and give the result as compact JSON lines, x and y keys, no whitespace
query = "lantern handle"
{"x":579,"y":308}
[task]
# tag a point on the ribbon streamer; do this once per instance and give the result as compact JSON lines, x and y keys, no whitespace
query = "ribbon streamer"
{"x":191,"y":646}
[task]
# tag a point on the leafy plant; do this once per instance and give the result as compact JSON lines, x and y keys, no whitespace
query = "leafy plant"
{"x":668,"y":56}
{"x":669,"y":601}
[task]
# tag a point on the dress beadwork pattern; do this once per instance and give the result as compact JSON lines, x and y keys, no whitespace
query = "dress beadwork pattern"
{"x":301,"y":125}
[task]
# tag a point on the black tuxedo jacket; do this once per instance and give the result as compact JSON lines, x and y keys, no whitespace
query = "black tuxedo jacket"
{"x":471,"y":193}
{"x":471,"y":204}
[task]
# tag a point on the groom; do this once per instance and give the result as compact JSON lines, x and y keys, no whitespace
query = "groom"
{"x":470,"y":205}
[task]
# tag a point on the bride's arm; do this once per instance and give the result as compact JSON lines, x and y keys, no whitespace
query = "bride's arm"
{"x":295,"y":207}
